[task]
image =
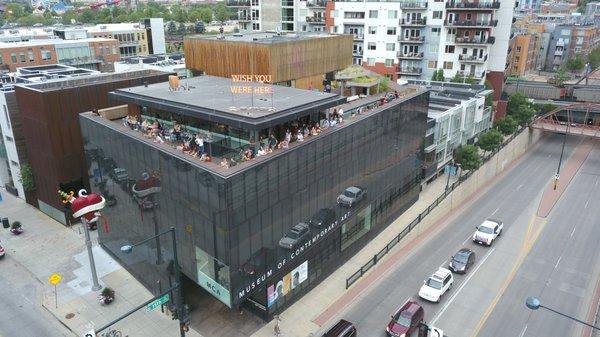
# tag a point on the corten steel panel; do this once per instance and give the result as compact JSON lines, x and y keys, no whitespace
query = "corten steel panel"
{"x":51,"y":130}
{"x":283,"y":60}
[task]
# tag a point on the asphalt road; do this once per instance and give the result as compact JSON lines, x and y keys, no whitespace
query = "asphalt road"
{"x":513,"y":199}
{"x":21,"y":314}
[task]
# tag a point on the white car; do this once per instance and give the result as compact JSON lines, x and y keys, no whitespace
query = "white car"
{"x":487,"y":232}
{"x":434,"y":287}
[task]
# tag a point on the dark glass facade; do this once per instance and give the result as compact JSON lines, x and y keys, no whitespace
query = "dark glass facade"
{"x":229,"y":227}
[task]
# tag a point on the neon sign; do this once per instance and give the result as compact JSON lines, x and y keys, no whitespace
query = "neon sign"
{"x":251,"y":89}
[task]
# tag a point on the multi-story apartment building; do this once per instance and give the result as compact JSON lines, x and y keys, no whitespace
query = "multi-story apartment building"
{"x":132,"y":37}
{"x":569,"y":41}
{"x":525,"y":53}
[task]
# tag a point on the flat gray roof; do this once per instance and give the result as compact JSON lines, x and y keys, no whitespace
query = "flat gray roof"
{"x":211,"y":98}
{"x":265,"y":37}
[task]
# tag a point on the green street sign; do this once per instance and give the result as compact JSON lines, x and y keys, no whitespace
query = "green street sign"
{"x":157,"y":302}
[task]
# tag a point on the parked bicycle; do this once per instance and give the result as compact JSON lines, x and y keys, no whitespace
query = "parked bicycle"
{"x":112,"y":333}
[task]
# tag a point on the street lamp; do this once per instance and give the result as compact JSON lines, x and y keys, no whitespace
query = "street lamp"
{"x":533,"y":303}
{"x":179,"y":292}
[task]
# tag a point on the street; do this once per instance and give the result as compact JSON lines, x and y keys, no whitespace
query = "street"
{"x":489,"y":299}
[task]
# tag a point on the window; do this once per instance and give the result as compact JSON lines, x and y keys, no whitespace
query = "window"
{"x":372,"y":30}
{"x":390,"y":46}
{"x":46,"y":55}
{"x":255,"y":26}
{"x":6,"y":116}
{"x":14,"y":163}
{"x":433,"y":48}
{"x":518,"y":49}
{"x":373,"y":14}
{"x":30,"y":54}
{"x":371,"y":61}
{"x":354,"y":15}
{"x":10,"y":139}
{"x":448,"y":65}
{"x":13,"y":57}
{"x":1,"y":61}
{"x":372,"y":46}
{"x":392,"y":14}
{"x":391,"y":30}
{"x":334,"y":14}
{"x":449,"y":49}
{"x":437,"y":14}
{"x":114,"y":49}
{"x":432,"y":64}
{"x":22,"y":57}
{"x":435,"y":31}
{"x":389,"y":62}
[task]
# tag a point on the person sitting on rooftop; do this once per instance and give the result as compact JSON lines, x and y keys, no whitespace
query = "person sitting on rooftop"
{"x":204,"y":157}
{"x":299,"y":136}
{"x":288,"y":136}
{"x":284,"y":144}
{"x":248,"y":155}
{"x":261,"y":151}
{"x":272,"y":142}
{"x":313,"y":130}
{"x":332,"y":121}
{"x":224,"y":163}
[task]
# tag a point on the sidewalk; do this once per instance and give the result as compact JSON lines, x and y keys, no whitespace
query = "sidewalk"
{"x":305,"y":317}
{"x":48,"y":247}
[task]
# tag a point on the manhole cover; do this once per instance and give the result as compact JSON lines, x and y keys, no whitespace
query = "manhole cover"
{"x":69,"y":316}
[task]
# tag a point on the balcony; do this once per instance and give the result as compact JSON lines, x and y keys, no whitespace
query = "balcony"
{"x":357,"y":53}
{"x":409,"y":56}
{"x":472,"y":58}
{"x":238,"y":3}
{"x":412,"y":71}
{"x":475,"y":75}
{"x":242,"y":17}
{"x":415,"y":23}
{"x":471,"y":23}
{"x":467,"y":40}
{"x":467,"y":6}
{"x":316,"y":4}
{"x":413,"y":4}
{"x":357,"y":37}
{"x":315,"y":20}
{"x":411,"y":39}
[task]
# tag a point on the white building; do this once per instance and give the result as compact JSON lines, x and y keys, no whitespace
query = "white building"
{"x":170,"y":63}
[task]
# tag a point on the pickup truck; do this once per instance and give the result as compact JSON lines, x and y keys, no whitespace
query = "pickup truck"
{"x":488,"y":231}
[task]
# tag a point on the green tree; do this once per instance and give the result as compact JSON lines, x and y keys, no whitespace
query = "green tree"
{"x":575,"y":64}
{"x":13,"y":11}
{"x":490,"y":140}
{"x":26,"y":178}
{"x":438,"y":75}
{"x":524,"y":114}
{"x":463,"y":79}
{"x":507,"y":125}
{"x":206,"y":14}
{"x":594,"y":58}
{"x":544,"y":108}
{"x":222,"y":12}
{"x":86,"y":16}
{"x":181,"y":29}
{"x":560,"y":77}
{"x":468,"y":157}
{"x":69,"y":17}
{"x":514,"y":103}
{"x":171,"y":28}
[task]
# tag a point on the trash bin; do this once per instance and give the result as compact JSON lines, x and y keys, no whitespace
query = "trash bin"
{"x":5,"y":223}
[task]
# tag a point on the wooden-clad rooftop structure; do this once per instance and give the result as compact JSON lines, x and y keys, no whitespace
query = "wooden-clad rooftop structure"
{"x":301,"y":58}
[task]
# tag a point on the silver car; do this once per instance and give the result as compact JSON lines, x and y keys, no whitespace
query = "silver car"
{"x":295,"y":236}
{"x":351,"y":196}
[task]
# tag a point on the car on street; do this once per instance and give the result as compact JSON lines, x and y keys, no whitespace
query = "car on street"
{"x":351,"y":195}
{"x":2,"y":252}
{"x":462,"y":260}
{"x":343,"y":328}
{"x":323,"y":218}
{"x":119,"y":174}
{"x":488,"y":231}
{"x":296,"y":235}
{"x":436,"y":285}
{"x":406,"y":320}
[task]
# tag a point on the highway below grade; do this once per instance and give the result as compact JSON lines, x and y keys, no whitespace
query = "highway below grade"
{"x":554,"y":258}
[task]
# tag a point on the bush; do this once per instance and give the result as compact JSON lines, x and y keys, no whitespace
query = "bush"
{"x":507,"y":125}
{"x":490,"y":140}
{"x":26,"y":178}
{"x":467,"y":156}
{"x":16,"y":225}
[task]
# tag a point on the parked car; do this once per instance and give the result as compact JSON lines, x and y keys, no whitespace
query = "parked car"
{"x":119,"y":174}
{"x":435,"y":286}
{"x":323,"y":218}
{"x":295,"y":236}
{"x":258,"y":262}
{"x":488,"y":231}
{"x":406,"y":320}
{"x":351,"y":196}
{"x":462,"y":260}
{"x":2,"y":252}
{"x":343,"y":328}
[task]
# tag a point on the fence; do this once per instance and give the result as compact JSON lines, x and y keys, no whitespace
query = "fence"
{"x":377,"y":257}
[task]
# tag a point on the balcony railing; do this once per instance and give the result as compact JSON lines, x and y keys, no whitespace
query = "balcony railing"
{"x":402,"y":55}
{"x":244,"y":17}
{"x":316,"y":3}
{"x":471,"y":23}
{"x":286,"y":18}
{"x":467,"y":40}
{"x":410,"y":70}
{"x":472,"y":58}
{"x":238,"y":3}
{"x":465,"y":73}
{"x":411,"y":39}
{"x":416,"y":22}
{"x":357,"y":36}
{"x":357,"y":53}
{"x":463,"y":5}
{"x":413,"y":4}
{"x":315,"y":19}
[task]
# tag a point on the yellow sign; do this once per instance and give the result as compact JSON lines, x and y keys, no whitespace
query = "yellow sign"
{"x":54,"y":279}
{"x":251,"y":89}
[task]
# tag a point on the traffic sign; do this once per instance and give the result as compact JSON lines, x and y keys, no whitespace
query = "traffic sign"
{"x":54,"y":279}
{"x":90,"y":333}
{"x":157,"y":302}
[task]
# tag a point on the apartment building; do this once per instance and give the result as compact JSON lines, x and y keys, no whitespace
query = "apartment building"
{"x":569,"y":41}
{"x":525,"y":53}
{"x":132,"y":37}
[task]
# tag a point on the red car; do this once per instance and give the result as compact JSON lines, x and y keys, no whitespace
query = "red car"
{"x":406,"y":320}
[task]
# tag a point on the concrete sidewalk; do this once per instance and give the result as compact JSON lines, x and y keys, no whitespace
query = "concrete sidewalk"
{"x":48,"y":247}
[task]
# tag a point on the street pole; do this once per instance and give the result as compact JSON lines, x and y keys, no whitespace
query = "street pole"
{"x":88,"y":244}
{"x":448,"y":178}
{"x":557,"y":176}
{"x":179,"y":297}
{"x":159,"y":259}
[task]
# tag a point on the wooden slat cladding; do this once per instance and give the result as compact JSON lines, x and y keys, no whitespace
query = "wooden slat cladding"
{"x":283,"y":60}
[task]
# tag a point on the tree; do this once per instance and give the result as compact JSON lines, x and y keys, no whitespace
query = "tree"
{"x":544,"y":108}
{"x":26,"y":178}
{"x":575,"y":64}
{"x":438,"y":75}
{"x":206,"y":14}
{"x":506,"y":125}
{"x":524,"y":114}
{"x":514,"y":103}
{"x":181,"y":29}
{"x":594,"y":58}
{"x":490,"y":140}
{"x":86,"y":16}
{"x":171,"y":28}
{"x":467,"y":156}
{"x":463,"y":79}
{"x":560,"y":77}
{"x":222,"y":12}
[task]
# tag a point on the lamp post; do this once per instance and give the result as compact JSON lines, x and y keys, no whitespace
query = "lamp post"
{"x":533,"y":303}
{"x":179,"y":292}
{"x":562,"y":150}
{"x":449,"y":166}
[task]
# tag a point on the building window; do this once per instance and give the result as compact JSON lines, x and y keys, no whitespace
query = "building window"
{"x":390,"y":46}
{"x":373,"y":14}
{"x":6,"y":116}
{"x":435,"y":31}
{"x":371,"y":61}
{"x":372,"y":30}
{"x":30,"y":54}
{"x":392,"y":14}
{"x":14,"y":163}
{"x":1,"y":60}
{"x":372,"y":46}
{"x":13,"y":57}
{"x":22,"y":57}
{"x":389,"y":62}
{"x":449,"y":49}
{"x":334,"y":14}
{"x":448,"y":65}
{"x":391,"y":30}
{"x":354,"y":15}
{"x":10,"y":139}
{"x":433,"y":48}
{"x":437,"y":14}
{"x":432,"y":64}
{"x":46,"y":55}
{"x":256,"y":26}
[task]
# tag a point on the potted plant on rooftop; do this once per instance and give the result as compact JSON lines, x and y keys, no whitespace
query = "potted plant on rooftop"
{"x":106,"y":296}
{"x":16,"y":228}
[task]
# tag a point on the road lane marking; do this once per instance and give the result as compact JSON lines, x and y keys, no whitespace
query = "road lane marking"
{"x":586,"y":204}
{"x":519,"y":187}
{"x":461,"y":287}
{"x":523,"y":332}
{"x":573,"y":231}
{"x":468,"y":238}
{"x":494,"y":212}
{"x":525,"y":248}
{"x":557,"y":262}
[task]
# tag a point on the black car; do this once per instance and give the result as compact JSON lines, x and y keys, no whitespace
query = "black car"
{"x":462,"y":260}
{"x":323,"y":218}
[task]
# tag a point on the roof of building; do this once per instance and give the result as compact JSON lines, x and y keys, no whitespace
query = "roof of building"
{"x":114,"y":27}
{"x":211,"y":98}
{"x":44,"y":73}
{"x":43,"y":42}
{"x":266,"y":37}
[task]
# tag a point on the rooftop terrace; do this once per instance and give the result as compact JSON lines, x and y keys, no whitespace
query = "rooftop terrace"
{"x":265,"y":37}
